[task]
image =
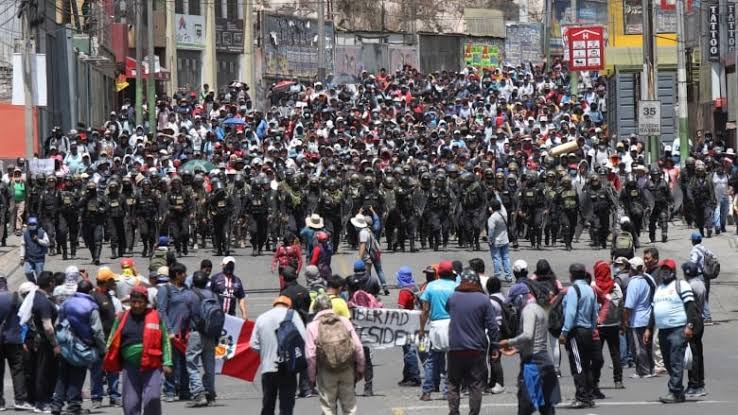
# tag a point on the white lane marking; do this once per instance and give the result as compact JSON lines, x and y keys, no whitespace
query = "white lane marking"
{"x":560,"y":406}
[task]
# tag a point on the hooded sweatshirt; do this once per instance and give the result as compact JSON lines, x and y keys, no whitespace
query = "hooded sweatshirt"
{"x":609,"y":296}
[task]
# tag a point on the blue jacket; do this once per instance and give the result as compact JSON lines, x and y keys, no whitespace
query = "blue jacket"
{"x":77,"y":309}
{"x":34,"y":251}
{"x":580,"y":312}
{"x":9,"y":304}
{"x":172,"y":303}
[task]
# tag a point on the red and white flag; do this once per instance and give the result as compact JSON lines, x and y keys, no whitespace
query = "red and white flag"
{"x":233,"y":354}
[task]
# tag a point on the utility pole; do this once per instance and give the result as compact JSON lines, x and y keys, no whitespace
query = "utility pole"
{"x":321,"y":40}
{"x":247,"y":59}
{"x":139,"y":66}
{"x":574,"y":75}
{"x":547,"y":32}
{"x":682,"y":84}
{"x":650,"y":74}
{"x":151,"y":82}
{"x":27,"y":81}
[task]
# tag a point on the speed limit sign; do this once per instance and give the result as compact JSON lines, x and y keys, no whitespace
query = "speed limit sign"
{"x":649,"y":117}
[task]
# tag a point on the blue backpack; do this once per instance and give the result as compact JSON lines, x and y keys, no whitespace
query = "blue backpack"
{"x":290,"y":346}
{"x":212,"y":317}
{"x":74,"y":350}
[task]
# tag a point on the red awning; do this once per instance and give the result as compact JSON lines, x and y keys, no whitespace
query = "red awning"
{"x":161,"y":75}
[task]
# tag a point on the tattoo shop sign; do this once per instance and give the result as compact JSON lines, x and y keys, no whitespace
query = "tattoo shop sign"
{"x":381,"y":328}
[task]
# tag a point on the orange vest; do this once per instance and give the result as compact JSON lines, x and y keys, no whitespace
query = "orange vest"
{"x":151,"y":357}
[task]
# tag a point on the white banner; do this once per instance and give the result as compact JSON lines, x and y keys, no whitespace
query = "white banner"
{"x":38,"y":79}
{"x":381,"y":328}
{"x":190,"y":31}
{"x":41,"y":166}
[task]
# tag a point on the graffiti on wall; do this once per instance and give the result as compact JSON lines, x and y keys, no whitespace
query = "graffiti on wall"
{"x":291,"y":46}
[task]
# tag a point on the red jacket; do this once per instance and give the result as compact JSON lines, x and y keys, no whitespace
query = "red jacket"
{"x":151,"y":357}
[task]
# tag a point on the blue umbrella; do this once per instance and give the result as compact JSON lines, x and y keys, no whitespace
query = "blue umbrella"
{"x":234,"y":121}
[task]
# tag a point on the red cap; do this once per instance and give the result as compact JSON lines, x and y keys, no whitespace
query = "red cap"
{"x":445,"y":268}
{"x":668,"y":263}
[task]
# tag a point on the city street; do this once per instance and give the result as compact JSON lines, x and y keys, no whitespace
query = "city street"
{"x":639,"y":397}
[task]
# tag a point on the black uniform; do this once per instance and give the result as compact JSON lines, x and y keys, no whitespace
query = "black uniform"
{"x":129,"y":198}
{"x":531,"y":211}
{"x":634,"y":204}
{"x":472,"y":202}
{"x":661,"y":208}
{"x":439,"y":208}
{"x":219,"y":206}
{"x":49,"y":204}
{"x":568,"y":200}
{"x":601,"y":203}
{"x":552,"y":214}
{"x":702,"y":193}
{"x":147,"y":213}
{"x":330,"y":208}
{"x":256,"y":206}
{"x":68,"y":222}
{"x":180,"y":208}
{"x":94,"y":209}
{"x":116,"y":223}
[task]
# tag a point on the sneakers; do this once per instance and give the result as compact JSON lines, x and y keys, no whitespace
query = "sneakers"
{"x":497,"y":389}
{"x":708,"y":322}
{"x":660,"y":371}
{"x":619,"y":385}
{"x":577,"y":404}
{"x":116,"y":402}
{"x":425,"y":397}
{"x":23,"y":406}
{"x":409,"y":383}
{"x":637,"y":376}
{"x":43,"y":409}
{"x":169,"y":398}
{"x":96,"y":405}
{"x":200,"y":402}
{"x":695,"y":392}
{"x":671,"y":398}
{"x":597,"y":394}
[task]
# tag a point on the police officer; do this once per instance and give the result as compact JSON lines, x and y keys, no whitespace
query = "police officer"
{"x":407,"y":213}
{"x":129,"y":199}
{"x":331,"y":202}
{"x":439,"y":207}
{"x":531,"y":209}
{"x":634,"y":204}
{"x":291,"y":197}
{"x":116,"y":220}
{"x":354,"y":200}
{"x":147,"y":213}
{"x":662,"y":204}
{"x":68,"y":218}
{"x":256,"y":205}
{"x":601,"y":203}
{"x":472,"y":202}
{"x":685,"y":176}
{"x":392,"y":215}
{"x":423,"y":196}
{"x":49,"y":211}
{"x":237,"y":220}
{"x":220,"y":206}
{"x":569,"y":203}
{"x":94,"y":215}
{"x":552,"y":213}
{"x":199,"y":200}
{"x":180,"y":209}
{"x":702,"y":194}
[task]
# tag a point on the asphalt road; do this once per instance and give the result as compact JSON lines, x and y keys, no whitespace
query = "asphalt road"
{"x":639,"y":397}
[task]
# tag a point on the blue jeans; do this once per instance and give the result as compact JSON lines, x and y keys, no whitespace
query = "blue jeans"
{"x":96,"y":383}
{"x":626,"y":357}
{"x":380,"y":273}
{"x":178,"y":382}
{"x":721,"y":213}
{"x":501,"y":260}
{"x":201,"y":349}
{"x":435,"y":372}
{"x":411,"y":369}
{"x":33,"y":269}
{"x":673,"y":345}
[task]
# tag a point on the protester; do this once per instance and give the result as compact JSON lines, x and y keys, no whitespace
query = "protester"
{"x":609,"y":321}
{"x":360,"y":297}
{"x":696,"y":386}
{"x":369,"y":251}
{"x":435,"y":315}
{"x":697,"y":255}
{"x":335,"y":358}
{"x":275,"y":382}
{"x":675,"y":315}
{"x":408,"y":299}
{"x":229,"y":288}
{"x":300,"y":297}
{"x":637,"y":314}
{"x":472,"y":331}
{"x":106,"y":284}
{"x":33,"y":249}
{"x":140,"y":348}
{"x":499,"y":244}
{"x":496,"y":381}
{"x":201,"y":344}
{"x":11,"y":347}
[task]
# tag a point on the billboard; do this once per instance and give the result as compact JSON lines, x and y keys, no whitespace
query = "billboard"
{"x":483,"y":54}
{"x":290,"y":46}
{"x":229,"y":35}
{"x":633,"y":19}
{"x":190,"y":31}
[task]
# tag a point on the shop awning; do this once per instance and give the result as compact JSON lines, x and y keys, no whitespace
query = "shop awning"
{"x":162,"y":74}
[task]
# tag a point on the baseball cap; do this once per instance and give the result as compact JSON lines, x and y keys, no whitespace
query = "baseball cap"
{"x":520,"y":265}
{"x":637,"y":262}
{"x":228,"y":260}
{"x":668,"y":263}
{"x":621,"y":260}
{"x":445,"y":268}
{"x":105,"y":274}
{"x":359,"y":265}
{"x":284,"y":300}
{"x":163,"y":271}
{"x":696,"y":236}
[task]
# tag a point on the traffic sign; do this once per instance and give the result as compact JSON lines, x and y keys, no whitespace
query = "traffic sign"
{"x":649,"y":117}
{"x":586,"y":48}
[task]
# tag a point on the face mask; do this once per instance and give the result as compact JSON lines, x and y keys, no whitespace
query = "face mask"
{"x":229,"y":268}
{"x":32,"y":228}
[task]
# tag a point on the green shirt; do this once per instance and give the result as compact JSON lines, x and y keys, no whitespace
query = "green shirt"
{"x":132,"y":353}
{"x":19,"y":191}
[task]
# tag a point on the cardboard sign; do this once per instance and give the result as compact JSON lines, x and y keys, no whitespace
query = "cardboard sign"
{"x":381,"y":328}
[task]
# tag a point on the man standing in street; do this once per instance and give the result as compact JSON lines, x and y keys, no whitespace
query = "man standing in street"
{"x":33,"y":249}
{"x":11,"y":349}
{"x":434,"y":299}
{"x":200,"y":346}
{"x":300,"y":297}
{"x":229,"y":288}
{"x":675,"y":315}
{"x":499,"y":244}
{"x":637,"y":314}
{"x":580,"y":319}
{"x":264,"y":340}
{"x":472,"y":330}
{"x":697,"y":256}
{"x":106,"y":309}
{"x":172,"y":303}
{"x":696,"y":387}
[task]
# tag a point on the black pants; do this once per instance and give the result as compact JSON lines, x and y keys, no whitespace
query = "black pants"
{"x":697,"y":374}
{"x":221,"y":234}
{"x":179,"y":229}
{"x":93,"y":236}
{"x":44,"y":373}
{"x":117,"y":236}
{"x":279,"y":384}
{"x":609,"y":335}
{"x":467,"y":368}
{"x":496,"y":374}
{"x":13,"y":353}
{"x":368,"y":371}
{"x":69,"y":387}
{"x":147,"y":229}
{"x":581,"y":349}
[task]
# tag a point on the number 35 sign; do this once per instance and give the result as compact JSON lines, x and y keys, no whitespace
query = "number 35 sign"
{"x":649,"y":117}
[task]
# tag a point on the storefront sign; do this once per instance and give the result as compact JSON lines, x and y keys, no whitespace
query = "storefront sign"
{"x":586,"y":48}
{"x":713,"y":32}
{"x":190,"y":31}
{"x":229,"y":35}
{"x":730,"y":24}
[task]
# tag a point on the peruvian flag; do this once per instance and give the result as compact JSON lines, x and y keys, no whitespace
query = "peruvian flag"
{"x":233,"y":354}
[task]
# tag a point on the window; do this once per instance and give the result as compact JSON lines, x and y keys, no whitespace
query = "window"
{"x":179,"y":6}
{"x":232,"y":7}
{"x":218,"y":9}
{"x":194,"y":8}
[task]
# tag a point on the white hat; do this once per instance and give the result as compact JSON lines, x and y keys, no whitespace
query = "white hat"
{"x":520,"y":265}
{"x":227,"y":260}
{"x":667,"y":148}
{"x":314,"y":221}
{"x":636,"y":262}
{"x":359,"y":221}
{"x":624,"y":220}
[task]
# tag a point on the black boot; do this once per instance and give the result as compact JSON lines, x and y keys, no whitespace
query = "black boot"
{"x":64,"y":252}
{"x":73,"y":249}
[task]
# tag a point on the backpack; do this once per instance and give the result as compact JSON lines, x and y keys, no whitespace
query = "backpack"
{"x":510,"y":319}
{"x":711,"y":264}
{"x":74,"y":350}
{"x":416,"y":296}
{"x":623,"y":245}
{"x":290,"y":346}
{"x":372,"y":246}
{"x":158,"y":260}
{"x":212,"y":317}
{"x":334,"y":345}
{"x":556,"y":315}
